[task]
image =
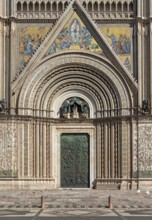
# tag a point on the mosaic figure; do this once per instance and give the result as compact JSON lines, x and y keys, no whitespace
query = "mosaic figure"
{"x":75,"y":31}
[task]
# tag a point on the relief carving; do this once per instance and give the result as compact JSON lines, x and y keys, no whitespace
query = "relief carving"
{"x":143,"y":151}
{"x":8,"y":150}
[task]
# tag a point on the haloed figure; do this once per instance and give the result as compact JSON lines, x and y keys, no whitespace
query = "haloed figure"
{"x":75,"y":31}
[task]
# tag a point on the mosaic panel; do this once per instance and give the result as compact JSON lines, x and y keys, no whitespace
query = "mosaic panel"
{"x":74,"y":36}
{"x":30,"y":37}
{"x":120,"y":40}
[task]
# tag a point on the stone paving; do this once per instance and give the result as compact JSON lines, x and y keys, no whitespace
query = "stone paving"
{"x":74,"y":199}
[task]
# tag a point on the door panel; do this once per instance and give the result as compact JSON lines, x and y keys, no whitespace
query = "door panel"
{"x":75,"y":160}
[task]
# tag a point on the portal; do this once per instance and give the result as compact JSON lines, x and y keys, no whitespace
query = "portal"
{"x":75,"y":160}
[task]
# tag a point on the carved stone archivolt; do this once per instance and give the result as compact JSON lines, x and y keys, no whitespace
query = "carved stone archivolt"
{"x":93,"y":77}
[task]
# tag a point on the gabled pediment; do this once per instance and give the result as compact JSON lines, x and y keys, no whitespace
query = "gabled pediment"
{"x":76,"y":31}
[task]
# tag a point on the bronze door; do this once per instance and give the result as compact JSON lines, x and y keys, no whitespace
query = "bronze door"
{"x":75,"y":160}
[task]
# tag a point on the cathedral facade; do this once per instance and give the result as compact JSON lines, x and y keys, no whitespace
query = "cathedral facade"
{"x":75,"y":94}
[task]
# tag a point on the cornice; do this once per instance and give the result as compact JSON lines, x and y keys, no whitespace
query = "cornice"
{"x":36,"y":20}
{"x":24,"y":118}
{"x":114,"y":21}
{"x":102,"y":21}
{"x":13,"y":19}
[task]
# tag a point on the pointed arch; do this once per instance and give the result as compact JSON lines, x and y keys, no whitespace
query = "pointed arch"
{"x":131,"y":6}
{"x":30,"y":6}
{"x":125,"y":6}
{"x":84,"y":4}
{"x":24,"y":6}
{"x":60,"y":6}
{"x":90,"y":6}
{"x":65,"y":4}
{"x":107,"y":6}
{"x":101,"y":6}
{"x":42,"y":6}
{"x":54,"y":6}
{"x":19,"y":6}
{"x":48,"y":6}
{"x":119,"y":6}
{"x":113,"y":6}
{"x":95,"y":6}
{"x":36,"y":6}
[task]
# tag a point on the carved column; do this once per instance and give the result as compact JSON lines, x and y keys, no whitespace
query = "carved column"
{"x":108,"y":152}
{"x":44,"y":150}
{"x":105,"y":149}
{"x":119,"y":144}
{"x":41,"y":148}
{"x":125,"y":139}
{"x":115,"y":150}
{"x":102,"y":151}
{"x":22,"y":151}
{"x":98,"y":151}
{"x":34,"y":149}
{"x":37,"y":150}
{"x":48,"y":150}
{"x":112,"y":151}
{"x":26,"y":149}
{"x":51,"y":151}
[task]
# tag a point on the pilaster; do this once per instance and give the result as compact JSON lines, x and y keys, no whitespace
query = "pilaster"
{"x":99,"y":151}
{"x":13,"y":59}
{"x":139,"y":8}
{"x":105,"y":150}
{"x":13,"y":8}
{"x":37,"y":150}
{"x":150,"y":60}
{"x":44,"y":150}
{"x":7,"y":58}
{"x":112,"y":151}
{"x":150,"y":8}
{"x":140,"y":63}
{"x":40,"y":149}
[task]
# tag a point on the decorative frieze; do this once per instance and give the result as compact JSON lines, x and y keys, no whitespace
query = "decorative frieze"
{"x":100,"y":9}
